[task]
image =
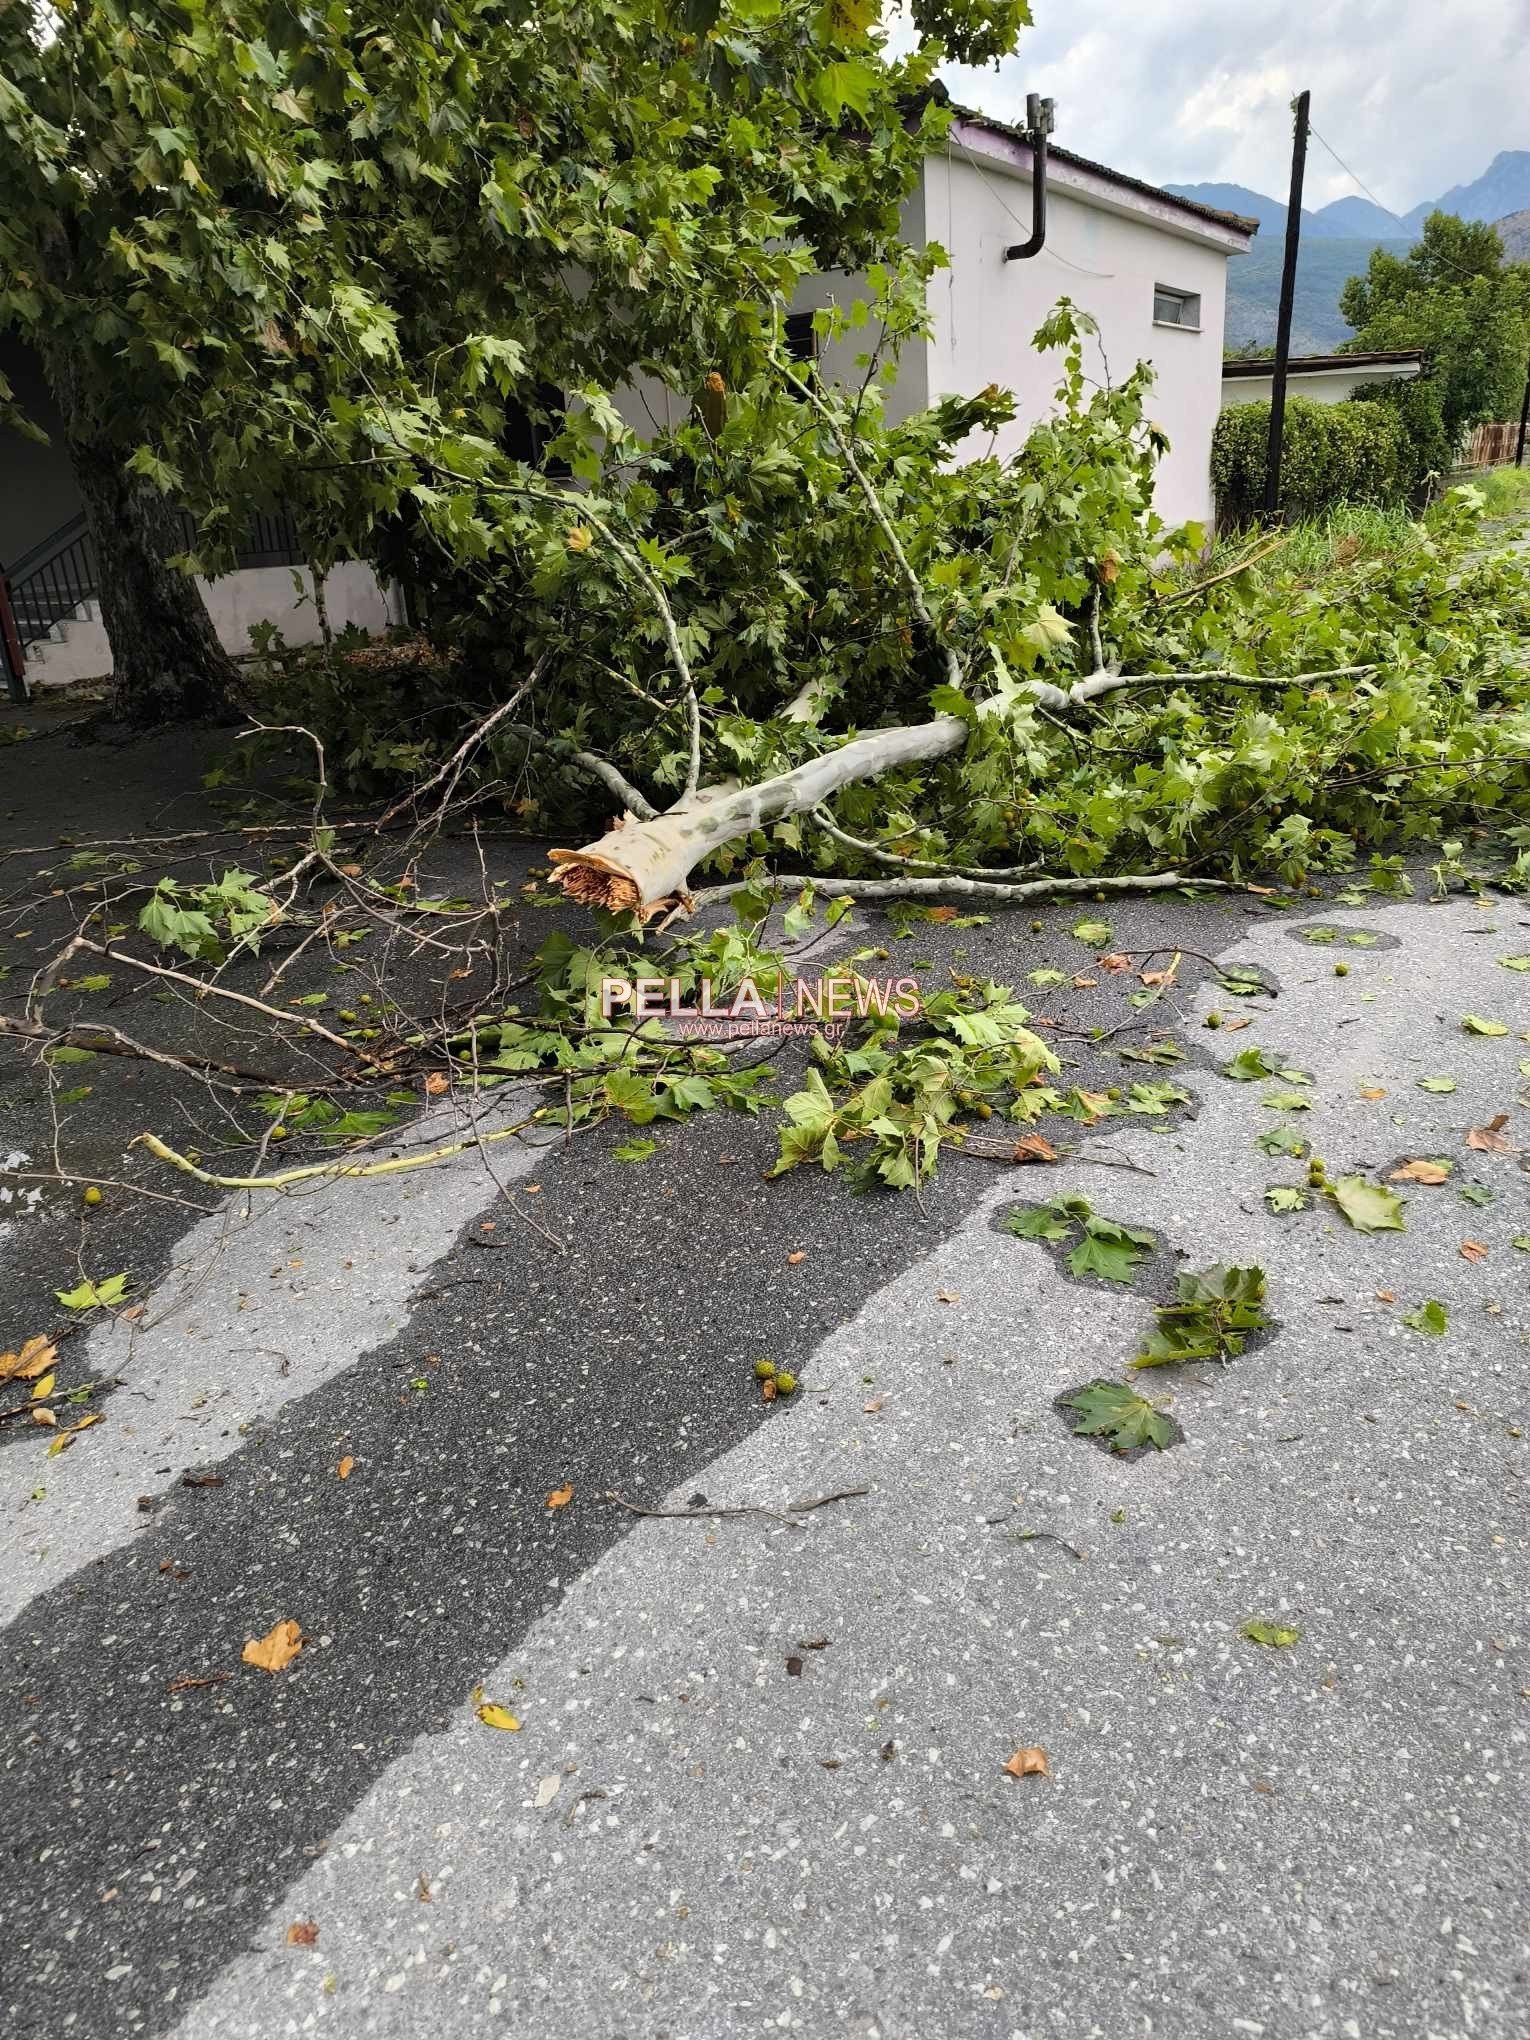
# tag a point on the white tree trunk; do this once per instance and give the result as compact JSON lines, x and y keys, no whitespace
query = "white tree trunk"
{"x":646,"y":866}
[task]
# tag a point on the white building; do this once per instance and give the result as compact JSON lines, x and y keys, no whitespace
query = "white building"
{"x":1324,"y":378}
{"x":1150,"y":267}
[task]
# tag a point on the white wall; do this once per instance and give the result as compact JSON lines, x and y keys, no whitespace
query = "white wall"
{"x":985,"y":310}
{"x":1327,"y":386}
{"x":352,"y":594}
{"x":284,"y":596}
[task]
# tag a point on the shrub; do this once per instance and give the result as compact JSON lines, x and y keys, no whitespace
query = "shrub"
{"x":1426,"y":445}
{"x":1334,"y":453}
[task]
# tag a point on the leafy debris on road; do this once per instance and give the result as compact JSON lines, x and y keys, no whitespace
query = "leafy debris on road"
{"x":1105,"y":1247}
{"x":1369,"y":1207}
{"x":1273,"y":1635}
{"x":1119,"y":1416}
{"x":1215,"y":1312}
{"x":35,"y":1357}
{"x":493,"y":1715}
{"x":94,"y":1295}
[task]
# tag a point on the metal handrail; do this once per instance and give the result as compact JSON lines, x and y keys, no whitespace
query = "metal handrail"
{"x":46,"y":547}
{"x":47,"y":584}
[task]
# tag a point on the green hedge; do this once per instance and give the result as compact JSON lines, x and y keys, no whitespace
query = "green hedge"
{"x":1334,"y":453}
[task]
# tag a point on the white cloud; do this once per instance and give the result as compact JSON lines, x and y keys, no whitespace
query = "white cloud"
{"x":1415,"y":96}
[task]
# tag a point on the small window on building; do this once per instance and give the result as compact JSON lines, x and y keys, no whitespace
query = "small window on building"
{"x":1176,"y":307}
{"x":801,"y":340}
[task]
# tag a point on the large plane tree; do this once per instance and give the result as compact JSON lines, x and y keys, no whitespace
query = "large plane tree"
{"x":274,"y":257}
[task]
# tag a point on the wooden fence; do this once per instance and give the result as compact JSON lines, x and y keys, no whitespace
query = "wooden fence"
{"x":1491,"y":445}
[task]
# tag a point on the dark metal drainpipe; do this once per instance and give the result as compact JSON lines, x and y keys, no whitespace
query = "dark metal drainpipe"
{"x":1038,"y":126}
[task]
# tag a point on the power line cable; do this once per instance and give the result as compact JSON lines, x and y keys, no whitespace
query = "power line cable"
{"x":1472,"y":275}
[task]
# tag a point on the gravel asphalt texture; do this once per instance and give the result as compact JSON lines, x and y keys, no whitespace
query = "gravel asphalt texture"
{"x":758,"y":1784}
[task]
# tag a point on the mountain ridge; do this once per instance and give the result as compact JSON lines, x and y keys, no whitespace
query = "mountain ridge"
{"x":1501,"y":190}
{"x":1337,"y":242}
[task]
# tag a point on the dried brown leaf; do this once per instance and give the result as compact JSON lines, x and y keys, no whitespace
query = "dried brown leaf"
{"x":275,"y":1651}
{"x":1033,"y":1147}
{"x":302,"y":1934}
{"x":1030,"y":1762}
{"x":1491,"y":1139}
{"x":343,"y":1470}
{"x":1420,"y":1171}
{"x":1473,"y":1250}
{"x":560,"y":1497}
{"x":35,"y":1358}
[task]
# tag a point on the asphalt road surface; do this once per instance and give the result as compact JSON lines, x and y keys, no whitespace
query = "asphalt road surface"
{"x":758,"y":1784}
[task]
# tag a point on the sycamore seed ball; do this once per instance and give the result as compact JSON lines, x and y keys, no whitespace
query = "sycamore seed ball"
{"x":93,"y":1194}
{"x":1341,"y":970}
{"x":785,"y":1384}
{"x":764,"y":1369}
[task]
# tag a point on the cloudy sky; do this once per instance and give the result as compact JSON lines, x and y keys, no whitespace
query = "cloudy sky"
{"x":1415,"y":95}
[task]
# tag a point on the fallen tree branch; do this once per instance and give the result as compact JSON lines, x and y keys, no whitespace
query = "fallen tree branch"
{"x":1093,"y":685}
{"x":457,"y":762}
{"x":593,"y":767}
{"x":313,"y":1172}
{"x":1242,"y":566}
{"x":41,"y":1402}
{"x":69,"y":1182}
{"x":203,"y":989}
{"x":103,"y":1040}
{"x":831,"y":828}
{"x":644,"y":867}
{"x":967,"y":888}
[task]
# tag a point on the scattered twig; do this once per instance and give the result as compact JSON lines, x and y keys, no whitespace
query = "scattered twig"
{"x":41,"y":1402}
{"x":793,"y":1509}
{"x":1048,"y":1537}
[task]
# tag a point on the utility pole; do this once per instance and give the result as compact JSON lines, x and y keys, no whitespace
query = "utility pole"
{"x":1524,"y":420}
{"x":1302,"y":108}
